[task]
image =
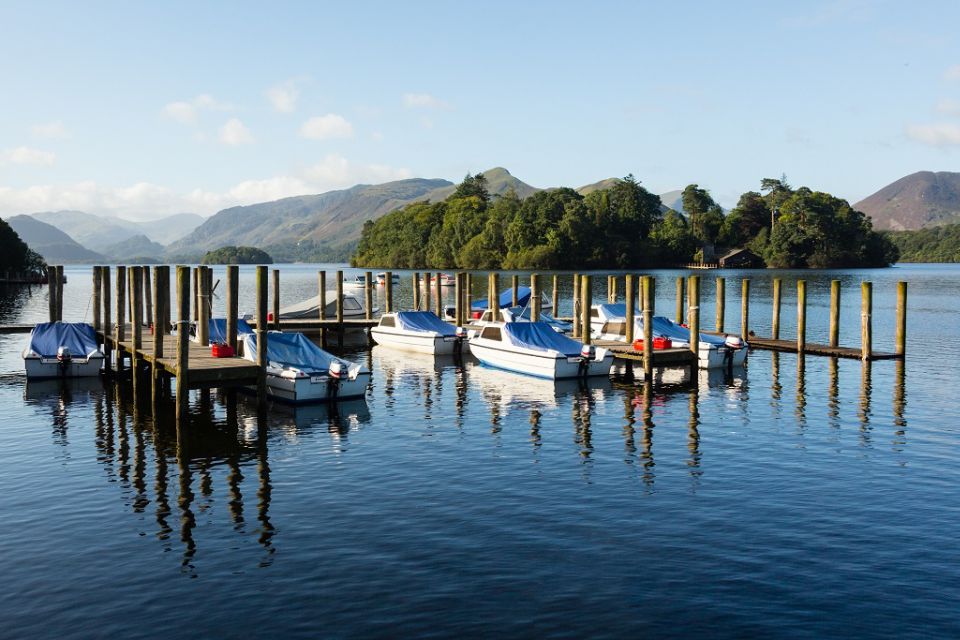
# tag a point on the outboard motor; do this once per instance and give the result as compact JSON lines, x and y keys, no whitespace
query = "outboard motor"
{"x":461,"y":336}
{"x":335,"y":373}
{"x":587,"y":353}
{"x":64,"y":358}
{"x":733,"y":343}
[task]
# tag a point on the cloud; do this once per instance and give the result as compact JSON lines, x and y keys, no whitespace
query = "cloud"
{"x":949,"y":107}
{"x":942,"y":134}
{"x":326,"y":127}
{"x":28,"y":156}
{"x":187,"y":112}
{"x":235,"y":133}
{"x":146,"y":201}
{"x":952,"y":73}
{"x":284,"y":96}
{"x":423,"y":101}
{"x":51,"y":130}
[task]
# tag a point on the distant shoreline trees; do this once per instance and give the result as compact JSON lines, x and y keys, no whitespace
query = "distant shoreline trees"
{"x":17,"y":258}
{"x":237,"y":255}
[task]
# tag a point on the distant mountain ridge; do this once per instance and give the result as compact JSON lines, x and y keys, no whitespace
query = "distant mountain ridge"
{"x":100,"y":232}
{"x":918,"y":201}
{"x":50,"y":242}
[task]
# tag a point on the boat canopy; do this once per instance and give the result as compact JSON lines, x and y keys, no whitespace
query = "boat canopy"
{"x":542,"y":337}
{"x":667,"y":328}
{"x":218,"y":329}
{"x":525,"y":313}
{"x":506,"y":299}
{"x":79,"y":337}
{"x":614,"y":309}
{"x":295,"y":351}
{"x":310,"y":308}
{"x":426,"y":321}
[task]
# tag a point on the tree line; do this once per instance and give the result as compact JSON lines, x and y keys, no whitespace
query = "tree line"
{"x":621,"y":226}
{"x":939,"y":244}
{"x":16,"y":257}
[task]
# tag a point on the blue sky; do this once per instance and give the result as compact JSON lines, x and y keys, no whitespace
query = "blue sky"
{"x":145,"y":109}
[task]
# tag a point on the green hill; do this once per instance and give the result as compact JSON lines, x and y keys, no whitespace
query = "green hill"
{"x":54,"y":245}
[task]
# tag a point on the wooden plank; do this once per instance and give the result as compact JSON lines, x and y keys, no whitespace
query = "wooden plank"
{"x":790,"y":346}
{"x":16,"y":328}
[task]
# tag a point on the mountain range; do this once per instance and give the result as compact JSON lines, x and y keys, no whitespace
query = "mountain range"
{"x":918,"y":201}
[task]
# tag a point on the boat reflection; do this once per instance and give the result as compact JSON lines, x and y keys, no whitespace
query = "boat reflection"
{"x":505,"y":390}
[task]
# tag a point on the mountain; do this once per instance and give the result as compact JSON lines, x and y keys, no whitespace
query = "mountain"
{"x":139,"y":246}
{"x":54,"y":245}
{"x":100,"y":232}
{"x":312,"y":227}
{"x":499,"y":181}
{"x":673,"y":200}
{"x":917,"y":201}
{"x":606,"y":183}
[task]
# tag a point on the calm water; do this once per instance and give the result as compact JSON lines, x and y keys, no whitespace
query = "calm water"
{"x":798,"y":499}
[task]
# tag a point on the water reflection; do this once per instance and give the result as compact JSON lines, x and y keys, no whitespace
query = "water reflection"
{"x":693,"y":436}
{"x":801,"y":397}
{"x":899,"y":406}
{"x":833,"y":393}
{"x":863,"y":412}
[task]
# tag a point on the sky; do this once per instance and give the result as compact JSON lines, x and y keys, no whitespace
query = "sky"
{"x":141,"y":109}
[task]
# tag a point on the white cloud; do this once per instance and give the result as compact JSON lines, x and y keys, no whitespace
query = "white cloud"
{"x":235,"y":133}
{"x":423,"y":101}
{"x":952,"y":73}
{"x":53,"y":129}
{"x":187,"y":112}
{"x":949,"y":107}
{"x":145,"y":201}
{"x":942,"y":134}
{"x":27,"y":155}
{"x":325,"y":127}
{"x":284,"y":96}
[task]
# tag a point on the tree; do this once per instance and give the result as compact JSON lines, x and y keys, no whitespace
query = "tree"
{"x":745,"y":221}
{"x":706,"y":216}
{"x":473,"y":186}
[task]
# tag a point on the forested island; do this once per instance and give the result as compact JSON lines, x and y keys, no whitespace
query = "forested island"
{"x":620,"y":226}
{"x":237,"y":255}
{"x":936,"y":244}
{"x":17,"y":259}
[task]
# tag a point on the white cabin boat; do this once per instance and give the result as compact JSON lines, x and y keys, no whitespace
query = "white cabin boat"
{"x":62,"y":350}
{"x":534,"y":348}
{"x":309,"y":309}
{"x":420,"y":331}
{"x":300,"y":371}
{"x":518,"y":314}
{"x":382,"y":278}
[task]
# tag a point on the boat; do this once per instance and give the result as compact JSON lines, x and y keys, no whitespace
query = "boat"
{"x":506,"y":300}
{"x":359,"y":282}
{"x":62,"y":350}
{"x":447,"y":280}
{"x":382,"y":278}
{"x":519,"y":314}
{"x":299,"y":371}
{"x":534,"y":348}
{"x":309,"y":309}
{"x":420,"y":331}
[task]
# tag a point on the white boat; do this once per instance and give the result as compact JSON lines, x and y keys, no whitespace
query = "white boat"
{"x":535,"y":349}
{"x":357,"y":284}
{"x":382,"y":278}
{"x":62,"y":350}
{"x":420,"y":331}
{"x":300,"y":371}
{"x":310,"y":309}
{"x":506,"y":300}
{"x":518,"y":314}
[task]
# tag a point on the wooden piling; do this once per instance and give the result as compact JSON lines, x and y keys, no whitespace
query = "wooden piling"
{"x":576,"y":304}
{"x":586,"y":298}
{"x":107,"y":324}
{"x":777,"y":298}
{"x":614,"y":288}
{"x":131,"y":312}
{"x":648,"y":308}
{"x":368,"y":295}
{"x":834,"y":313}
{"x":469,"y":296}
{"x":119,"y":335}
{"x":147,"y":294}
{"x":388,"y":292}
{"x":493,"y":293}
{"x":167,"y":306}
{"x":427,"y":291}
{"x":59,"y":293}
{"x":680,"y":285}
{"x":631,"y":310}
{"x":745,"y":309}
{"x":535,"y":301}
{"x":693,"y":314}
{"x":52,"y":293}
{"x":866,"y":320}
{"x":721,"y":302}
{"x":416,"y":290}
{"x":515,"y":286}
{"x":901,"y":336}
{"x":183,"y":343}
{"x":339,"y":306}
{"x":262,"y":336}
{"x":458,"y":300}
{"x":322,"y":286}
{"x":136,"y":278}
{"x":276,"y":299}
{"x":95,"y":291}
{"x":203,"y":320}
{"x":196,"y":292}
{"x":438,"y":283}
{"x":801,"y":316}
{"x":233,"y":304}
{"x":157,"y":337}
{"x":555,"y":296}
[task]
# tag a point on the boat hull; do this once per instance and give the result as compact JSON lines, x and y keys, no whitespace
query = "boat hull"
{"x":418,"y":342}
{"x":307,"y":389}
{"x":539,"y":364}
{"x":39,"y":368}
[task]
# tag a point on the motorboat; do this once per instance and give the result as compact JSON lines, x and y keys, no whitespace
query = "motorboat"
{"x":534,"y":348}
{"x":309,"y":309}
{"x":300,"y":371}
{"x":382,"y":278}
{"x":62,"y":350}
{"x":506,"y":300}
{"x":358,"y":283}
{"x":420,"y":331}
{"x":519,"y":314}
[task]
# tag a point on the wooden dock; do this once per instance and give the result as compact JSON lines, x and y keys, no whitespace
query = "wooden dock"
{"x":790,"y":346}
{"x":16,"y":328}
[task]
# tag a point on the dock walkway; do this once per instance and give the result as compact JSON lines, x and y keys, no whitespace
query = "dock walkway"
{"x":790,"y":346}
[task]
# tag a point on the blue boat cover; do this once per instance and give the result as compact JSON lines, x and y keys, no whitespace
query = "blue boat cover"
{"x":541,"y":336}
{"x":218,"y":329}
{"x":526,"y":312}
{"x":425,"y":321}
{"x":78,"y":337}
{"x":506,"y":299}
{"x":295,"y":350}
{"x":615,"y":310}
{"x":667,"y":328}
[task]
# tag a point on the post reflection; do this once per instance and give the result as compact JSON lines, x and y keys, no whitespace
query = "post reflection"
{"x":535,"y":439}
{"x":900,"y":406}
{"x":264,"y":493}
{"x":185,"y":501}
{"x":646,"y":438}
{"x":863,"y":413}
{"x":693,"y":435}
{"x":801,"y":408}
{"x":833,"y":393}
{"x":776,"y":389}
{"x":583,"y":433}
{"x":629,"y":428}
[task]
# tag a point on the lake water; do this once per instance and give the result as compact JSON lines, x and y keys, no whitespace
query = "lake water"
{"x":807,"y":498}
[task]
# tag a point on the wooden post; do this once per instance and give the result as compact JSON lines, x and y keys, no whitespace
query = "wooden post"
{"x":340,"y":301}
{"x":801,"y":316}
{"x":631,"y":310}
{"x":427,"y":291}
{"x":131,"y":312}
{"x":648,"y":328}
{"x":233,"y":304}
{"x":576,"y":304}
{"x":368,"y":295}
{"x":276,"y":299}
{"x":261,"y":337}
{"x":52,"y":293}
{"x":555,"y":296}
{"x":203,"y":320}
{"x":388,"y":292}
{"x":183,"y":342}
{"x":680,"y":283}
{"x":469,"y":295}
{"x":416,"y":290}
{"x":612,"y":289}
{"x":721,"y":302}
{"x":693,"y":314}
{"x":586,"y":299}
{"x":107,"y":324}
{"x":439,"y":285}
{"x":157,"y":337}
{"x":147,"y":294}
{"x":167,"y":306}
{"x":458,"y":300}
{"x":59,"y":293}
{"x":834,"y":313}
{"x":96,"y":299}
{"x":515,"y":285}
{"x":777,"y":298}
{"x":121,"y":313}
{"x":535,"y":301}
{"x":196,"y":292}
{"x":136,"y":279}
{"x":901,"y":337}
{"x":745,"y":309}
{"x":866,"y":320}
{"x":322,"y":286}
{"x":493,"y":293}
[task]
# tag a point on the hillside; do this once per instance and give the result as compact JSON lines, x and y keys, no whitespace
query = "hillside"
{"x":100,"y":232}
{"x":936,"y":244}
{"x":499,"y":181}
{"x":312,"y":227}
{"x":587,"y":189}
{"x":673,"y":200}
{"x":54,"y":245}
{"x":917,"y":201}
{"x":139,"y":246}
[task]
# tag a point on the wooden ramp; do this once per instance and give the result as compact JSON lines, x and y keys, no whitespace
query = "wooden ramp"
{"x":790,"y":346}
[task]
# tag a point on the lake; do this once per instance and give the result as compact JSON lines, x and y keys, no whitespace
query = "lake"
{"x":798,"y":498}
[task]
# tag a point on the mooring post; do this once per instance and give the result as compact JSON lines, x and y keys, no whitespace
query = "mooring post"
{"x":203,"y":320}
{"x":196,"y":292}
{"x":439,"y":285}
{"x":157,"y":336}
{"x":136,"y":278}
{"x":586,"y":301}
{"x":121,"y":314}
{"x":276,"y":299}
{"x":721,"y":302}
{"x":777,"y":298}
{"x":576,"y":304}
{"x":427,"y":291}
{"x":458,"y":300}
{"x":901,"y":337}
{"x":322,"y":286}
{"x":60,"y":293}
{"x":148,"y":293}
{"x":167,"y":306}
{"x":631,"y":310}
{"x":693,"y":314}
{"x":866,"y":320}
{"x":834,"y":313}
{"x":107,"y":324}
{"x":262,"y":337}
{"x":493,"y":293}
{"x":745,"y":310}
{"x":515,"y":286}
{"x":613,"y":288}
{"x":233,"y":304}
{"x":555,"y":296}
{"x":469,"y":295}
{"x":648,"y":303}
{"x":52,"y":293}
{"x":95,"y":291}
{"x":340,"y":301}
{"x":801,"y":316}
{"x":368,"y":295}
{"x":535,"y":301}
{"x":131,"y":312}
{"x":183,"y":343}
{"x":680,"y":284}
{"x":416,"y":291}
{"x":388,"y":292}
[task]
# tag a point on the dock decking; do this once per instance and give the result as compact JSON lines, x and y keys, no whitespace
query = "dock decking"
{"x":790,"y":346}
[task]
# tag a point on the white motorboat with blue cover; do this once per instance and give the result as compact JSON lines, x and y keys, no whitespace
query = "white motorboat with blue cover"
{"x":420,"y":331}
{"x":523,"y":314}
{"x":506,"y":300}
{"x":309,"y":309}
{"x":300,"y":371}
{"x":62,"y":350}
{"x":534,"y":348}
